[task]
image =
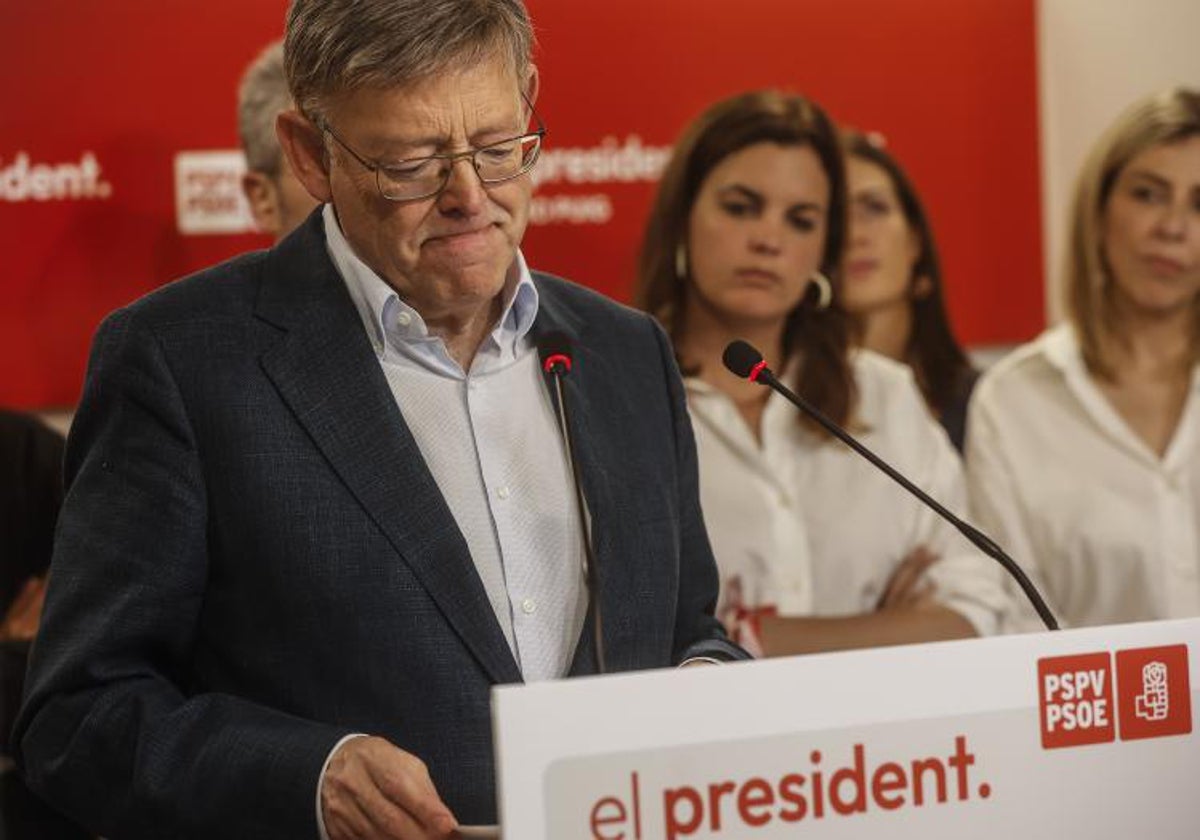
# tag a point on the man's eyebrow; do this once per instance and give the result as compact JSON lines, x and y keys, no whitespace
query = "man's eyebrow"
{"x":500,"y":129}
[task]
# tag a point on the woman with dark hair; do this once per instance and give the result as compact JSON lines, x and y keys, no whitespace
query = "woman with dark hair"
{"x":817,"y":550}
{"x":1084,"y":448}
{"x":892,"y":283}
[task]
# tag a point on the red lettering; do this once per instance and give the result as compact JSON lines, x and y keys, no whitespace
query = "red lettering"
{"x":671,"y":798}
{"x":637,"y":806}
{"x":918,"y":774}
{"x":960,"y":761}
{"x":852,"y":787}
{"x":607,"y":811}
{"x":715,"y":792}
{"x":888,"y":777}
{"x":856,"y":776}
{"x":756,"y":793}
{"x":790,"y":791}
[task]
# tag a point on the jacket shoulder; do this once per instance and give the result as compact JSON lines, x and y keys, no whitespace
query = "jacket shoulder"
{"x":228,"y":287}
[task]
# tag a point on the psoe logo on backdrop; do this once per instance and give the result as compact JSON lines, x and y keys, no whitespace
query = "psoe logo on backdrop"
{"x":23,"y":180}
{"x":208,"y":193}
{"x":1084,"y":702}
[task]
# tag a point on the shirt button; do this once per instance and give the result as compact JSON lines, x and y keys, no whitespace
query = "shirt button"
{"x":528,"y":606}
{"x":504,"y":492}
{"x":403,"y":319}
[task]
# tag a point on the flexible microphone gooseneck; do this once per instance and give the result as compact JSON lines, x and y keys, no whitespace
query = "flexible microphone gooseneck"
{"x":746,"y":362}
{"x":554,"y":351}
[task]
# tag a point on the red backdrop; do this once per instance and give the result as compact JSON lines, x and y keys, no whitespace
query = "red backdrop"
{"x":951,"y":85}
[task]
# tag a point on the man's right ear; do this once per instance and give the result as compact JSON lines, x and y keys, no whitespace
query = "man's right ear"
{"x":302,"y":143}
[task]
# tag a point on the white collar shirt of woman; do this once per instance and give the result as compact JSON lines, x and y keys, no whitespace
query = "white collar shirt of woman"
{"x":804,"y":526}
{"x":1108,"y":529}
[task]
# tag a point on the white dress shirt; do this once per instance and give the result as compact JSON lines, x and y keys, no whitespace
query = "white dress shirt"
{"x":484,"y":434}
{"x":805,"y":526}
{"x":1106,"y":528}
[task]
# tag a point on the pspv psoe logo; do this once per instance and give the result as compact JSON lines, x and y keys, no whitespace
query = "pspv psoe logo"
{"x":208,"y":193}
{"x":1082,"y":703}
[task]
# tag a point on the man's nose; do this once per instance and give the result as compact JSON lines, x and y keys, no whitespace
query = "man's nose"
{"x":465,"y":192}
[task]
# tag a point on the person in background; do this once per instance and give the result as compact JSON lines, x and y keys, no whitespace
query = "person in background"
{"x":319,"y":503}
{"x":31,"y":492}
{"x":817,"y":550}
{"x":892,"y":282}
{"x":1083,"y":449}
{"x":277,"y":199}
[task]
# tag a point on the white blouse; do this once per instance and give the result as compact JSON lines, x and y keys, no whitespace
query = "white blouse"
{"x":1106,"y":528}
{"x":805,"y":526}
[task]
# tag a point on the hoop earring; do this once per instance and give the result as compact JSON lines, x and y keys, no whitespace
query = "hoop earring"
{"x":681,"y":261}
{"x":824,"y":289}
{"x":922,"y":287}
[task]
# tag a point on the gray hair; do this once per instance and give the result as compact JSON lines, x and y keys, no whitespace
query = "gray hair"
{"x":262,"y":95}
{"x":333,"y":46}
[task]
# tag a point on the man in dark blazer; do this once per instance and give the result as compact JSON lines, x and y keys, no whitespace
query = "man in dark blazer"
{"x":286,"y":578}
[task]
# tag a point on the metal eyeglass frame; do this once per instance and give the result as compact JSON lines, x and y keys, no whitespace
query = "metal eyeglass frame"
{"x":376,"y":168}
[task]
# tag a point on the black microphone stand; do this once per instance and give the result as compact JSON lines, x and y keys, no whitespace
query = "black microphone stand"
{"x":557,"y":366}
{"x":763,"y":374}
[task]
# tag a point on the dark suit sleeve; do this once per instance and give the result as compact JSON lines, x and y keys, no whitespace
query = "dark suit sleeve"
{"x":111,"y":730}
{"x":697,"y":632}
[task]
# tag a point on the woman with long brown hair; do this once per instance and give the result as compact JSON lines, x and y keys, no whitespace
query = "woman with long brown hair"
{"x":892,"y":282}
{"x":817,"y":550}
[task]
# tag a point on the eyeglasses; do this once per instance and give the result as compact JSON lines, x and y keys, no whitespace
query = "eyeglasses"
{"x":423,"y":177}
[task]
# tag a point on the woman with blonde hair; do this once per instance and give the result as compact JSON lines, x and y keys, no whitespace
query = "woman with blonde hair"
{"x":1083,"y":450}
{"x":817,"y":550}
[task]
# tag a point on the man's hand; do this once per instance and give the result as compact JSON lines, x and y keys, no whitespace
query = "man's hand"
{"x":908,"y":587}
{"x":374,"y":789}
{"x":21,"y":621}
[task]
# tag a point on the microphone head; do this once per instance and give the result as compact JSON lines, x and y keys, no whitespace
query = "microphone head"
{"x":743,"y":360}
{"x":555,"y":351}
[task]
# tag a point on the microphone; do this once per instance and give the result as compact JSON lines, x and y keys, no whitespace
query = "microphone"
{"x":554,"y":351}
{"x":746,"y":362}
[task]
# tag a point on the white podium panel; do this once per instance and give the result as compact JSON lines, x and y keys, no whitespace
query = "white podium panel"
{"x":1078,"y":734}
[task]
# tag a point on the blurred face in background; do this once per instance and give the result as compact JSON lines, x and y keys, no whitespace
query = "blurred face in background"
{"x":278,"y":202}
{"x":1151,"y":229}
{"x":756,"y":234}
{"x":883,"y":248}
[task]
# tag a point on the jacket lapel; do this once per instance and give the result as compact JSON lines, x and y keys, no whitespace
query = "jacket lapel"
{"x":326,"y":371}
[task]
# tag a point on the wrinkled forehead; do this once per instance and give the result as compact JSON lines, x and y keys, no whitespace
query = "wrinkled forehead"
{"x":476,"y":98}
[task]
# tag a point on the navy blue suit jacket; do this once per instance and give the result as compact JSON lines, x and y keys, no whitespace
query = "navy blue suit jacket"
{"x":254,"y":560}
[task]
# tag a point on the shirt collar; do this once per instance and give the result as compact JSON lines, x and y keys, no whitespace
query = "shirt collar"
{"x":1061,"y":348}
{"x":389,"y":321}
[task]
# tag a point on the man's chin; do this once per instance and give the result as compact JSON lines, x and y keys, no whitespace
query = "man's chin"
{"x":479,"y":280}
